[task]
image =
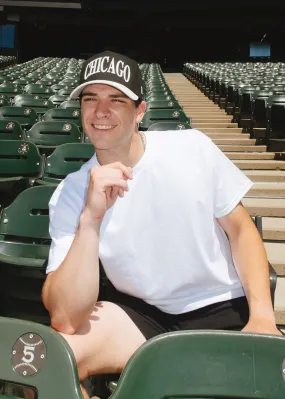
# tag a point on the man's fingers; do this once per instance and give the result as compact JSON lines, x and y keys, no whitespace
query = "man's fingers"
{"x":126,"y":170}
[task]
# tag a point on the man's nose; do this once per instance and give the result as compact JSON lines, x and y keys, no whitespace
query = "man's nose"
{"x":102,"y":109}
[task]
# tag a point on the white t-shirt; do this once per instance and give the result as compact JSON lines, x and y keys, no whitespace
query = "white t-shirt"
{"x":162,"y":242}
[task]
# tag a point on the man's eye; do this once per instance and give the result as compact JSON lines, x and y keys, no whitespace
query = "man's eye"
{"x":116,"y":100}
{"x":89,"y":99}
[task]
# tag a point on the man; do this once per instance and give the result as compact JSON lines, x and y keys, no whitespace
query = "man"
{"x":162,"y":211}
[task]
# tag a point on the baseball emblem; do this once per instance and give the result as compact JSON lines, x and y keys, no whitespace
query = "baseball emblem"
{"x":168,"y":98}
{"x":24,"y":148}
{"x":67,"y":127}
{"x":27,"y":111}
{"x":10,"y":125}
{"x":170,"y":104}
{"x":45,"y":102}
{"x":175,"y":114}
{"x":75,"y":113}
{"x":28,"y":354}
{"x":36,"y":97}
{"x":180,"y":127}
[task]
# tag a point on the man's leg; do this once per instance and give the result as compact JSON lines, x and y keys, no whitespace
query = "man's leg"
{"x":105,"y":342}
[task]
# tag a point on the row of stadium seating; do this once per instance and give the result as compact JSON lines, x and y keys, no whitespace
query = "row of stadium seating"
{"x":253,"y":93}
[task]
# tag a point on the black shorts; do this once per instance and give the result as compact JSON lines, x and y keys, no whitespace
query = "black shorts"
{"x":227,"y":315}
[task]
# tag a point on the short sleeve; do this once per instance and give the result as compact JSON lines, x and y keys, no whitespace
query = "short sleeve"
{"x":65,"y":207}
{"x":230,"y":184}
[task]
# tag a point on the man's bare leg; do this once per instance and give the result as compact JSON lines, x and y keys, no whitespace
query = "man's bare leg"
{"x":105,"y":342}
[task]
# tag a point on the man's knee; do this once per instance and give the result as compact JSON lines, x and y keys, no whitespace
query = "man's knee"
{"x":105,"y":341}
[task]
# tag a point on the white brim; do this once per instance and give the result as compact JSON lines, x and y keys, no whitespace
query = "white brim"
{"x":75,"y":93}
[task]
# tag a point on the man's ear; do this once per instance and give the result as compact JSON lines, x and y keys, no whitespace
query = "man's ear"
{"x":140,"y":111}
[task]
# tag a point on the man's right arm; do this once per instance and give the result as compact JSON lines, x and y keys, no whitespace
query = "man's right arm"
{"x":71,"y":292}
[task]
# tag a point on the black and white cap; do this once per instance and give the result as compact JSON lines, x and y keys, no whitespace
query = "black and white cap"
{"x":112,"y":69}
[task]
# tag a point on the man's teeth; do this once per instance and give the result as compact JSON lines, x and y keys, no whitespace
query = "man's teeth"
{"x":104,"y":127}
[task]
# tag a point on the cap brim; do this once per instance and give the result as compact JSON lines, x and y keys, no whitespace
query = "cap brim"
{"x":75,"y":93}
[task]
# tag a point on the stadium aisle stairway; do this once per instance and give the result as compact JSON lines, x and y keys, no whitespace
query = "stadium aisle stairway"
{"x":266,"y":198}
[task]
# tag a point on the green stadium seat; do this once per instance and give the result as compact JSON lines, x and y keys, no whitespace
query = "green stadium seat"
{"x":154,"y":116}
{"x":18,"y":160}
{"x":25,"y":116}
{"x":26,"y":97}
{"x":70,"y":104}
{"x":39,"y":105}
{"x":159,"y":97}
{"x":36,"y":356}
{"x":65,"y":91}
{"x":24,"y":249}
{"x":56,"y":87}
{"x":199,"y":366}
{"x":4,"y":102}
{"x":10,"y":130}
{"x":151,"y":105}
{"x":169,"y":125}
{"x":54,"y":133}
{"x":66,"y":158}
{"x":20,"y":164}
{"x":10,"y":91}
{"x":43,"y":91}
{"x":60,"y":114}
{"x":56,"y":99}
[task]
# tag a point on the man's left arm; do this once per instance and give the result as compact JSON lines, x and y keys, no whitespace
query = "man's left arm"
{"x":251,"y":264}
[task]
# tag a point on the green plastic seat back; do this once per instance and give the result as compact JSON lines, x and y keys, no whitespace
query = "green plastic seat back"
{"x":67,"y":158}
{"x":169,"y":125}
{"x":39,"y":89}
{"x":206,"y":364}
{"x":151,"y":117}
{"x":159,"y":97}
{"x":10,"y":91}
{"x":63,"y":114}
{"x":163,"y":104}
{"x":70,"y":104}
{"x":26,"y":97}
{"x":54,"y":133}
{"x":56,"y":99}
{"x":65,"y":91}
{"x":25,"y":116}
{"x":19,"y":158}
{"x":4,"y":102}
{"x":36,"y":356}
{"x":39,"y":105}
{"x":24,"y":248}
{"x":10,"y":130}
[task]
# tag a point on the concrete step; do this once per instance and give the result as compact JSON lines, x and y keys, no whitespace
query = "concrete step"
{"x":214,"y":119}
{"x":203,"y":112}
{"x":227,"y":135}
{"x":265,"y":175}
{"x":265,"y":206}
{"x":279,"y":317}
{"x":239,"y":142}
{"x":250,"y":155}
{"x":245,"y":148}
{"x":221,"y":130}
{"x":213,"y":124}
{"x":276,"y":255}
{"x":271,"y":190}
{"x":280,"y":295}
{"x":274,"y":229}
{"x":260,"y":165}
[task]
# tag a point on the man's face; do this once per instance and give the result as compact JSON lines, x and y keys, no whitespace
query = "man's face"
{"x":109,"y":117}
